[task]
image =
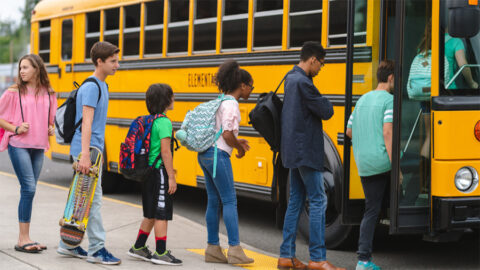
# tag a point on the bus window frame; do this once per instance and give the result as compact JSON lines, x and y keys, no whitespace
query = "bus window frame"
{"x":344,"y":35}
{"x":112,"y":32}
{"x":298,"y":14}
{"x":178,"y":25}
{"x":129,"y":30}
{"x":92,"y":34}
{"x":71,"y":41}
{"x":47,"y":29}
{"x":263,"y":14}
{"x":204,"y":21}
{"x":234,"y":17}
{"x":153,"y":27}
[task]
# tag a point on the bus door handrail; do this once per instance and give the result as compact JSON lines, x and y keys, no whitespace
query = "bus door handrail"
{"x":458,"y":73}
{"x":411,"y":133}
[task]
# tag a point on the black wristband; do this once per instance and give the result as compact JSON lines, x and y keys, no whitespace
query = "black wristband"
{"x":16,"y":130}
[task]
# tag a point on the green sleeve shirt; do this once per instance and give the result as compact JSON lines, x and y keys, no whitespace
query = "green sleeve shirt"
{"x":371,"y":111}
{"x":162,"y":128}
{"x":452,"y":46}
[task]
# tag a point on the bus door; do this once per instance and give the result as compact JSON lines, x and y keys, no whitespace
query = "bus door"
{"x":65,"y":62}
{"x":410,"y":178}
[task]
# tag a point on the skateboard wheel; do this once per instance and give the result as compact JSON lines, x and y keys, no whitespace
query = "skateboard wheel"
{"x":81,"y":227}
{"x":61,"y":222}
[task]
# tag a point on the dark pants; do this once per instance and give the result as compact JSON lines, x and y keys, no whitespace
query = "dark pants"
{"x":374,"y":187}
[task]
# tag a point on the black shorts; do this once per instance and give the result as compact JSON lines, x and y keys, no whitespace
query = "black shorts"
{"x":157,"y":203}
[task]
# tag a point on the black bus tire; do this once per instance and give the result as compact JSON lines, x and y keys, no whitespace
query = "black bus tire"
{"x":110,"y":181}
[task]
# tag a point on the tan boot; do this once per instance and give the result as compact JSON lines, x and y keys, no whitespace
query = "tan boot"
{"x":214,"y":254}
{"x":237,"y":256}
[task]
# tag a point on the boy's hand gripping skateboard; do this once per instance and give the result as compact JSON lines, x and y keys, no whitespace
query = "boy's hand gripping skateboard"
{"x":80,"y":197}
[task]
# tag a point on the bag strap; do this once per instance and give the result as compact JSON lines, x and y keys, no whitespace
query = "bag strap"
{"x":21,"y":109}
{"x":284,"y":77}
{"x":49,"y":104}
{"x":89,"y":79}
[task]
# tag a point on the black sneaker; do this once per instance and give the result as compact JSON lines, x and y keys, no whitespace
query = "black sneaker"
{"x":142,"y":253}
{"x":166,"y":258}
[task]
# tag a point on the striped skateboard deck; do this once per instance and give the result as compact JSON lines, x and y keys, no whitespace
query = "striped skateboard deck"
{"x":82,"y":189}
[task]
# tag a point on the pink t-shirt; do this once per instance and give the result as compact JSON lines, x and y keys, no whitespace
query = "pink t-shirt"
{"x":35,"y":113}
{"x":228,"y":117}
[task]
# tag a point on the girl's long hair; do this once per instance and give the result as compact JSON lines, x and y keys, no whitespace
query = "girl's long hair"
{"x":426,"y":43}
{"x":41,"y":77}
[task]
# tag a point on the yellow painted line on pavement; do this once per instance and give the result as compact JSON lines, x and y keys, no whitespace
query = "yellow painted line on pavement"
{"x":65,"y":188}
{"x":262,"y":261}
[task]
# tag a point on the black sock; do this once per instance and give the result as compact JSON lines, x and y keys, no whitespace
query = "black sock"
{"x":141,"y":239}
{"x":161,"y":244}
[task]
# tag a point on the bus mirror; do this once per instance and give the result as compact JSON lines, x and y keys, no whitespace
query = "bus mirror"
{"x":463,"y":18}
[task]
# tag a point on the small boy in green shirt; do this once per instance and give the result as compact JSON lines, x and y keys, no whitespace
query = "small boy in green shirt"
{"x":370,"y":127}
{"x":160,"y":184}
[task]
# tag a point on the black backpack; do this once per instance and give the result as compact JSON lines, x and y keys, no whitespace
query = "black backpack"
{"x":266,"y":117}
{"x":65,"y":125}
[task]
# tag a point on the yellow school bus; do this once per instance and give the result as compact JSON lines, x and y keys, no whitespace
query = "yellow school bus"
{"x":182,"y":43}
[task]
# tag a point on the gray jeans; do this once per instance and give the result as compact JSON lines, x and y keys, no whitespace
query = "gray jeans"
{"x":95,"y":230}
{"x":374,"y":188}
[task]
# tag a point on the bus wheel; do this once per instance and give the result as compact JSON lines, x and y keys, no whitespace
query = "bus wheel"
{"x":110,"y":181}
{"x":336,"y":234}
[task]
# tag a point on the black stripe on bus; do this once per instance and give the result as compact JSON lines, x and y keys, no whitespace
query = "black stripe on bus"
{"x":336,"y":100}
{"x":51,"y":69}
{"x":362,"y":54}
{"x":125,"y":122}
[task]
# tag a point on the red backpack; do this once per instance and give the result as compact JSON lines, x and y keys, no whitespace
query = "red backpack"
{"x":135,"y":150}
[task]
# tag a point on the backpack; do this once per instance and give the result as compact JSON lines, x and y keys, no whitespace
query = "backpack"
{"x":197,"y":132}
{"x":420,"y":77}
{"x":266,"y":117}
{"x":134,"y":152}
{"x":65,"y":125}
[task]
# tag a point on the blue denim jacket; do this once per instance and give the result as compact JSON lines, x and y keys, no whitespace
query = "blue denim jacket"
{"x":304,"y":108}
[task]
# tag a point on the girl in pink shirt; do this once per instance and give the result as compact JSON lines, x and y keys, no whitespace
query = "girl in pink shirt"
{"x":27,"y":110}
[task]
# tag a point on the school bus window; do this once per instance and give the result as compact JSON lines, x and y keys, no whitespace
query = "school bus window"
{"x":305,"y":21}
{"x":131,"y":32}
{"x":153,"y":28}
{"x":178,"y":26}
{"x":67,"y":39}
{"x":112,"y":21}
{"x":268,"y":24}
{"x":337,"y":28}
{"x":234,"y":25}
{"x":44,"y":42}
{"x":205,"y":26}
{"x":93,"y":31}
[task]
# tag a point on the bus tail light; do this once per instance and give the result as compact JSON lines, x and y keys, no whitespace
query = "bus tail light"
{"x":477,"y":131}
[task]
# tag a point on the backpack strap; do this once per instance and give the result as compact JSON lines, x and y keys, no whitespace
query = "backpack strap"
{"x":89,"y":79}
{"x":284,"y":77}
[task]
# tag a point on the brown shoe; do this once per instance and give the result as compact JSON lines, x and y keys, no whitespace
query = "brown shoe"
{"x":323,"y":265}
{"x":214,"y":254}
{"x":290,"y":263}
{"x":236,"y":255}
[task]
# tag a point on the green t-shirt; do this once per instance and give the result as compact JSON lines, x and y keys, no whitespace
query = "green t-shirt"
{"x":162,"y":128}
{"x":452,"y":45}
{"x":371,"y":111}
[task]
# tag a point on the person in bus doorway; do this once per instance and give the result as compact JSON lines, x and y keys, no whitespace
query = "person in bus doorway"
{"x":104,"y":56}
{"x":370,"y":127}
{"x":160,"y":183}
{"x":302,"y":151}
{"x":236,"y":83}
{"x":27,"y":110}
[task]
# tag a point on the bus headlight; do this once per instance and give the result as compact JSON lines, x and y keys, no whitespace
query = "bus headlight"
{"x":466,"y":179}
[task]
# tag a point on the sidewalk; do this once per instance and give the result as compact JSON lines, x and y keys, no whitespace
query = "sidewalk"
{"x":121,"y":220}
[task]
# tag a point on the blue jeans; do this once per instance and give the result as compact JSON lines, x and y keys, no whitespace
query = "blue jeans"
{"x":220,"y":191}
{"x":95,"y":230}
{"x":305,"y":181}
{"x":27,"y":163}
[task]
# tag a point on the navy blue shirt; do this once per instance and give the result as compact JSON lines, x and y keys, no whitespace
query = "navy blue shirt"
{"x":304,"y":108}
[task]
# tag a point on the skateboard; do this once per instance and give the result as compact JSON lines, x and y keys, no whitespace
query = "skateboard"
{"x":80,"y":196}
